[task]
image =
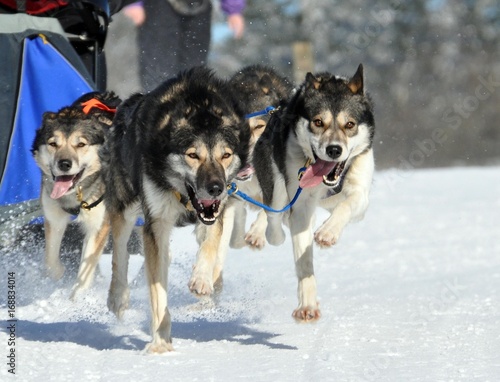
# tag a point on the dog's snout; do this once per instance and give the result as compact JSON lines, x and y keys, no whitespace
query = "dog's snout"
{"x":215,"y":188}
{"x":334,"y":151}
{"x":64,"y":164}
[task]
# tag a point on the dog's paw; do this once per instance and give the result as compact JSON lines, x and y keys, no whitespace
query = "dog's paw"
{"x":118,"y":301}
{"x":201,"y":284}
{"x":255,"y":240}
{"x":307,"y":314}
{"x":159,"y":346}
{"x":75,"y":291}
{"x":237,"y":242}
{"x":326,"y":238}
{"x":55,"y":271}
{"x":275,"y":236}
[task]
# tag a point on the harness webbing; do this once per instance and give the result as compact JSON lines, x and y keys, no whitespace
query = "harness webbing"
{"x":267,"y":110}
{"x":233,"y":190}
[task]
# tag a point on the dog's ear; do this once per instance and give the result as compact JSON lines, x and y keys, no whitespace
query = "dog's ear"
{"x":105,"y":118}
{"x":266,"y":84}
{"x":313,"y":81}
{"x":110,"y":99}
{"x":48,"y":115}
{"x":356,"y":82}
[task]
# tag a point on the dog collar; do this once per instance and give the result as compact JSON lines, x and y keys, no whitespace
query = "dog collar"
{"x":303,"y":169}
{"x":83,"y":204}
{"x":95,"y":103}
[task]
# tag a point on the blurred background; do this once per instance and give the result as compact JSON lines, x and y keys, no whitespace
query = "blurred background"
{"x":431,"y":67}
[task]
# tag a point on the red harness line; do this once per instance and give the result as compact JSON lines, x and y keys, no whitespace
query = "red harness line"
{"x":91,"y":103}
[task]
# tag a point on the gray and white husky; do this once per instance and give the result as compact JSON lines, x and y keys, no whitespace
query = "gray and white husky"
{"x":66,"y":150}
{"x":328,"y":127}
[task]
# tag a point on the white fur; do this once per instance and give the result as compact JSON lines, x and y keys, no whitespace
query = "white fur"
{"x":274,"y":230}
{"x":349,"y":205}
{"x":96,"y":226}
{"x":94,"y":222}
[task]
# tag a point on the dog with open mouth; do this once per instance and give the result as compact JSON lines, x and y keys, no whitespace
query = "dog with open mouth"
{"x":320,"y":144}
{"x":170,"y":156}
{"x":66,"y":150}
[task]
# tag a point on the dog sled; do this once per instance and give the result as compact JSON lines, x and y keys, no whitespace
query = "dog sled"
{"x":47,"y":63}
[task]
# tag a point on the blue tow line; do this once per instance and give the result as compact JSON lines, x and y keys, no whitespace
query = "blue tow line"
{"x":232,"y":189}
{"x":267,"y":110}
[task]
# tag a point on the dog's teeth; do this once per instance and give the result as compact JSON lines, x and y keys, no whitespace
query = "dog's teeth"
{"x":202,"y":215}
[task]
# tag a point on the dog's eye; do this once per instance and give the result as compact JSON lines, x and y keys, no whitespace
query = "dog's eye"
{"x":81,"y":144}
{"x":350,"y":125}
{"x":226,"y":156}
{"x":318,"y":122}
{"x":193,"y":156}
{"x":52,"y":144}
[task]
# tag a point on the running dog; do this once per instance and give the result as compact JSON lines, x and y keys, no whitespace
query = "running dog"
{"x":171,"y":154}
{"x":327,"y":128}
{"x":66,"y":150}
{"x":259,"y":90}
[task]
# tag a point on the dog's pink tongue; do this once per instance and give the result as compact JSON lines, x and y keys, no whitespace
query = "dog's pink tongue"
{"x":245,"y":171}
{"x":61,"y":186}
{"x":206,"y":202}
{"x":315,"y":172}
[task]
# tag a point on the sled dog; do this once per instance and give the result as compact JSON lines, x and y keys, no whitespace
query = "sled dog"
{"x":170,"y":155}
{"x":328,"y":128}
{"x":66,"y":150}
{"x":256,"y":87}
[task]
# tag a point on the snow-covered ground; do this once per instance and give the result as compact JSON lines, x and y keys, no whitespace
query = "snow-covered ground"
{"x":411,"y":293}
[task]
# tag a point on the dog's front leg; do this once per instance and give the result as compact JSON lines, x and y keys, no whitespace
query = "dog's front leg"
{"x":351,"y":208}
{"x":157,"y":259}
{"x":233,"y":224}
{"x":256,"y":235}
{"x":301,"y":224}
{"x":275,"y":234}
{"x":204,"y":272}
{"x":350,"y":204}
{"x":122,"y":225}
{"x":239,"y":217}
{"x":55,"y":223}
{"x":96,"y":236}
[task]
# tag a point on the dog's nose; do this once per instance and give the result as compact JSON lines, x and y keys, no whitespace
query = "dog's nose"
{"x":334,"y":151}
{"x":215,"y":188}
{"x":64,"y":164}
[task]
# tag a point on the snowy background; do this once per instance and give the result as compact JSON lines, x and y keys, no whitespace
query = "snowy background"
{"x":411,"y":293}
{"x":432,"y":64}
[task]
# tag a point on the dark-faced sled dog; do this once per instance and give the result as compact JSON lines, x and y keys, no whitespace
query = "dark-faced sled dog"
{"x":170,"y":156}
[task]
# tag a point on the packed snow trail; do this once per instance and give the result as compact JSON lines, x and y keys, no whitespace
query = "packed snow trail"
{"x":411,"y":293}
